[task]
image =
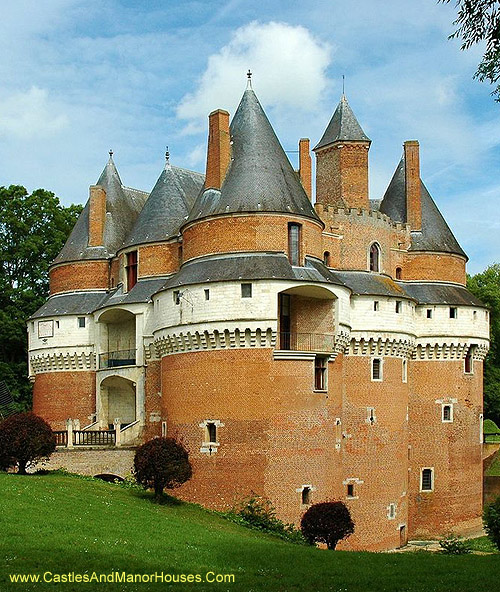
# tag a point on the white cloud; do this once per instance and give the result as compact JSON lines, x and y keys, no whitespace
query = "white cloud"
{"x":289,"y":66}
{"x":30,"y":114}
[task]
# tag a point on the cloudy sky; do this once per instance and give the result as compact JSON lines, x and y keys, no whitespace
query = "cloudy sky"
{"x":82,"y":76}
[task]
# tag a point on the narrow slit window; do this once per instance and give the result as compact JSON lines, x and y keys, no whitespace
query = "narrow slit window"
{"x":326,"y":258}
{"x":306,"y":496}
{"x":399,"y":273}
{"x":453,"y":312}
{"x":447,"y":411}
{"x":376,"y":369}
{"x":429,"y":313}
{"x":392,"y":512}
{"x":81,"y":322}
{"x":404,"y":370}
{"x":207,"y":294}
{"x":350,"y":490}
{"x":294,"y":243}
{"x":376,"y":305}
{"x":212,"y":432}
{"x":399,"y":306}
{"x":176,"y":295}
{"x":375,"y":257}
{"x":468,"y":362}
{"x":131,"y":269}
{"x":371,"y":415}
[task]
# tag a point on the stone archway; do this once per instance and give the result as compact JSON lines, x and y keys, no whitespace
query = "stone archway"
{"x":118,"y":400}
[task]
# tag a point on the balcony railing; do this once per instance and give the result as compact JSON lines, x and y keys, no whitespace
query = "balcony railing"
{"x":112,"y":359}
{"x":314,"y":342}
{"x":61,"y":437}
{"x":86,"y":438}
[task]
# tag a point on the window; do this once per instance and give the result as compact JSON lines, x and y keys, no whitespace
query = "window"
{"x":391,"y":511}
{"x":427,"y":480}
{"x":350,"y":490}
{"x":131,"y":269}
{"x":306,"y":496}
{"x":326,"y":258}
{"x":468,"y":369}
{"x":376,"y":369}
{"x":320,"y":367}
{"x":399,"y":306}
{"x":375,"y":257}
{"x":453,"y":312}
{"x":81,"y":322}
{"x":207,"y":294}
{"x":294,"y":243}
{"x":176,"y":295}
{"x":375,"y":305}
{"x":399,"y":273}
{"x":481,"y":428}
{"x":405,"y":370}
{"x":211,"y":432}
{"x":429,"y":313}
{"x":163,"y":429}
{"x":57,"y":324}
{"x":246,"y":290}
{"x":447,"y":413}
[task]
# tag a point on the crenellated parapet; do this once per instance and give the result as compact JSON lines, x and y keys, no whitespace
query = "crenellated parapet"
{"x":400,"y":347}
{"x":62,"y":361}
{"x":450,"y":350}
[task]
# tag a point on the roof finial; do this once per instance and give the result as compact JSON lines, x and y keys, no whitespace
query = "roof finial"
{"x":249,"y":81}
{"x":110,"y":154}
{"x":343,"y":85}
{"x":167,"y":155}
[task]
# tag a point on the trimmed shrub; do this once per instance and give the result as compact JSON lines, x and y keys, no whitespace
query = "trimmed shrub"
{"x":162,"y":463}
{"x":455,"y":545}
{"x":491,"y":519}
{"x":25,"y":439}
{"x":327,"y":522}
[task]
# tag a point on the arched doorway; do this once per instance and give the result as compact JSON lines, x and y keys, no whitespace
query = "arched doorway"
{"x":118,"y":400}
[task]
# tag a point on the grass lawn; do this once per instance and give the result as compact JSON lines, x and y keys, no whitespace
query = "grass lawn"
{"x":60,"y":524}
{"x":494,"y":469}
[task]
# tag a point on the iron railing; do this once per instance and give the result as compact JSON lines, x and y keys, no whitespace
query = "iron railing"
{"x":112,"y":359}
{"x":314,"y":342}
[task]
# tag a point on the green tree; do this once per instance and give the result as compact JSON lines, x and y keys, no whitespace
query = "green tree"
{"x":33,"y":229}
{"x":479,"y":20}
{"x":486,"y":286}
{"x":327,"y":522}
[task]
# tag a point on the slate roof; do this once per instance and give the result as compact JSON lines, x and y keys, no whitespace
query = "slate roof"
{"x":435,"y":293}
{"x":343,"y":126}
{"x":77,"y":303}
{"x":140,"y":293}
{"x":123,"y":205}
{"x":260,"y":177}
{"x":436,"y":235}
{"x":167,"y":207}
{"x":366,"y":283}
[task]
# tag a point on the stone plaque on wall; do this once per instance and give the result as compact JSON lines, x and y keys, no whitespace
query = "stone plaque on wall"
{"x":45,"y":329}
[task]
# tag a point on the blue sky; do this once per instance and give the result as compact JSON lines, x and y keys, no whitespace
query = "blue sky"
{"x":82,"y":76}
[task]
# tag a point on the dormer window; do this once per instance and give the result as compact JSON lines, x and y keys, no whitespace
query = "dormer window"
{"x":326,"y":258}
{"x":375,"y":257}
{"x":399,"y":273}
{"x":294,"y":243}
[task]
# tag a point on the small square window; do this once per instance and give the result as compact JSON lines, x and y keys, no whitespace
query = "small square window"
{"x":375,"y":305}
{"x":447,"y":413}
{"x":207,"y":294}
{"x":429,"y":313}
{"x":246,"y":290}
{"x":176,"y":296}
{"x":376,"y":369}
{"x":453,"y":312}
{"x":81,"y":322}
{"x":427,"y":480}
{"x":399,"y":306}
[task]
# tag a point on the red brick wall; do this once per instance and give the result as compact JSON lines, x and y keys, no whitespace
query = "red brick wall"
{"x":152,"y":395}
{"x":434,"y":266}
{"x":58,"y":396}
{"x":342,"y":175}
{"x":84,"y":275}
{"x":261,"y":232}
{"x":452,"y":449}
{"x":159,"y":259}
{"x":375,"y":454}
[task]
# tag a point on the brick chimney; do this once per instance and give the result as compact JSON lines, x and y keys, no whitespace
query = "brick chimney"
{"x":97,"y":215}
{"x":305,"y":165}
{"x":413,"y":185}
{"x":219,"y":149}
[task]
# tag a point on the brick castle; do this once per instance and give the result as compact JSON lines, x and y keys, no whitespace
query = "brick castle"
{"x":301,"y":352}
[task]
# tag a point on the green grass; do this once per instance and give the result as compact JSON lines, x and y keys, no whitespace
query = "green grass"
{"x":483,"y":544}
{"x":494,"y":469}
{"x":490,"y":427}
{"x":60,"y":523}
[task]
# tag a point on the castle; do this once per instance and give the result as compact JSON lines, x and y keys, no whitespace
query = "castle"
{"x":301,"y":352}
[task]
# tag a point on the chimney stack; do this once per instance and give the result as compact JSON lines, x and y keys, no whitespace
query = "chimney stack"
{"x":219,"y":149}
{"x":413,"y":185}
{"x":97,"y":215}
{"x":305,"y":166}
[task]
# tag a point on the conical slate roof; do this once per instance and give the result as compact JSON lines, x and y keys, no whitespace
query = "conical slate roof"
{"x":167,"y":207}
{"x":123,"y":205}
{"x":260,"y":177}
{"x":343,"y":126}
{"x":435,"y":235}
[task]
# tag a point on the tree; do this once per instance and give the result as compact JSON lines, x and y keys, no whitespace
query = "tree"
{"x":479,"y":20}
{"x":327,"y":522}
{"x":33,"y":229}
{"x":486,"y":286}
{"x":25,"y":439}
{"x":162,"y":463}
{"x":491,"y":519}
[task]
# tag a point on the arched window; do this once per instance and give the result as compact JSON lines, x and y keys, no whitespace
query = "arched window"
{"x":326,"y":258}
{"x":399,"y":273}
{"x":375,"y":257}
